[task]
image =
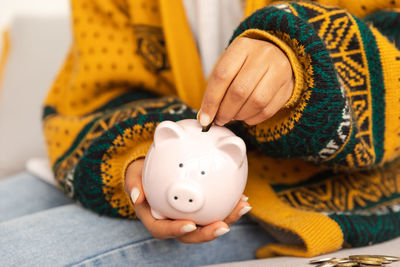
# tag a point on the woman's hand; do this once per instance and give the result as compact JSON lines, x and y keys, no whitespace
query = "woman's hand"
{"x":182,"y":230}
{"x":251,"y":81}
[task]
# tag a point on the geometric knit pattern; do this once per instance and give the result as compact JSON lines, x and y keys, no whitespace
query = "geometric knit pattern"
{"x":342,"y":120}
{"x":342,"y":123}
{"x":365,"y":204}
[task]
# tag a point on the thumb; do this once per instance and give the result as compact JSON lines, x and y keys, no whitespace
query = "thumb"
{"x":133,"y":181}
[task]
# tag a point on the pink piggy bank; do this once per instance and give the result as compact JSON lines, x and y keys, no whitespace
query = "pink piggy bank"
{"x":194,"y":175}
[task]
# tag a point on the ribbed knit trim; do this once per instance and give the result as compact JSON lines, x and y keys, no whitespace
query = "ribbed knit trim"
{"x":120,"y":163}
{"x":140,"y":151}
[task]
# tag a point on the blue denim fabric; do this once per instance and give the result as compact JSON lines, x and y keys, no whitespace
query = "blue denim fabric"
{"x":39,"y":226}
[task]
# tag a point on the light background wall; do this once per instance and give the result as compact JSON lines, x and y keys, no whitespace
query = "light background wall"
{"x":10,"y":8}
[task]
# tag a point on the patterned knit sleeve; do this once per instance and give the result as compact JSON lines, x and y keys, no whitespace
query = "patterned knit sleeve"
{"x":344,"y":110}
{"x":105,"y":103}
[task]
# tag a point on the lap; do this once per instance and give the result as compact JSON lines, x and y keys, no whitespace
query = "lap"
{"x":24,"y":194}
{"x":71,"y":235}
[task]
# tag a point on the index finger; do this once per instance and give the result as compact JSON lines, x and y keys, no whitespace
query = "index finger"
{"x":221,"y":77}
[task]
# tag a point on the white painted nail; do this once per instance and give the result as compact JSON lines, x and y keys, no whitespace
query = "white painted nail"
{"x":204,"y":119}
{"x":244,"y":210}
{"x":188,"y":228}
{"x":245,"y":198}
{"x":221,"y":231}
{"x":135,"y":194}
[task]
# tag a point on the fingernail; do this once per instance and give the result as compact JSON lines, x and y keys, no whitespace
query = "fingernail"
{"x":204,"y":119}
{"x":135,"y":194}
{"x":188,"y":228}
{"x":244,"y":210}
{"x":221,"y":231}
{"x":245,"y":198}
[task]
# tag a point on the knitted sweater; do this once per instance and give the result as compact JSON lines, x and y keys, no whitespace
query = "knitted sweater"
{"x":323,"y":172}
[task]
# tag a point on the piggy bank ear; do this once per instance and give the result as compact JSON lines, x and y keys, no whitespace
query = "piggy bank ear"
{"x":167,"y":130}
{"x":235,"y":148}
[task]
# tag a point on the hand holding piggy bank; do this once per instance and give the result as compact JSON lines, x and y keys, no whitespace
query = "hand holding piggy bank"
{"x":194,"y":175}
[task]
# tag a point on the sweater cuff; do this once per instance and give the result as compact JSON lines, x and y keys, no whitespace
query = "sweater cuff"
{"x":139,"y":152}
{"x":296,"y":65}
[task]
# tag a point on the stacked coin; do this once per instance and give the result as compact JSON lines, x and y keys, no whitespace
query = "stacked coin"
{"x":356,"y":260}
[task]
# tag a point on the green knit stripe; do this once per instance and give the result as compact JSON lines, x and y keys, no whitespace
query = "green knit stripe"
{"x":377,"y":88}
{"x":387,"y":22}
{"x":88,"y":176}
{"x":322,"y":114}
{"x":365,"y":230}
{"x":47,"y":111}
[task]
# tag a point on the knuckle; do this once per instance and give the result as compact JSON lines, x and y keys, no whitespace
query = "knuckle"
{"x":285,"y":64}
{"x":259,"y":102}
{"x":239,"y":91}
{"x":220,"y":74}
{"x":267,"y":50}
{"x":266,"y":113}
{"x":239,"y":116}
{"x":241,"y":40}
{"x":222,"y":118}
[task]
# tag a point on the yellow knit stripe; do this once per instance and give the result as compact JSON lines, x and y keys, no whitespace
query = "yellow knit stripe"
{"x":182,"y":52}
{"x":4,"y":55}
{"x":319,"y":233}
{"x":390,"y":58}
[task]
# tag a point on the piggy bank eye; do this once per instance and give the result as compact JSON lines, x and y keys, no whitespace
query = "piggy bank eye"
{"x":203,"y":172}
{"x":180,"y":165}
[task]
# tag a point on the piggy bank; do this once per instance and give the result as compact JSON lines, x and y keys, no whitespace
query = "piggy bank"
{"x":194,"y":175}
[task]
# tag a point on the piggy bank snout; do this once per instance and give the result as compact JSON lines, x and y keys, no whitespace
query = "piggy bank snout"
{"x":185,"y":197}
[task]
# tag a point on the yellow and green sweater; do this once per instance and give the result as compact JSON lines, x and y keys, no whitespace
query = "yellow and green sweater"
{"x":323,"y":172}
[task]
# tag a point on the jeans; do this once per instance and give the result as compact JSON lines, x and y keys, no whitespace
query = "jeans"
{"x":39,"y":226}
